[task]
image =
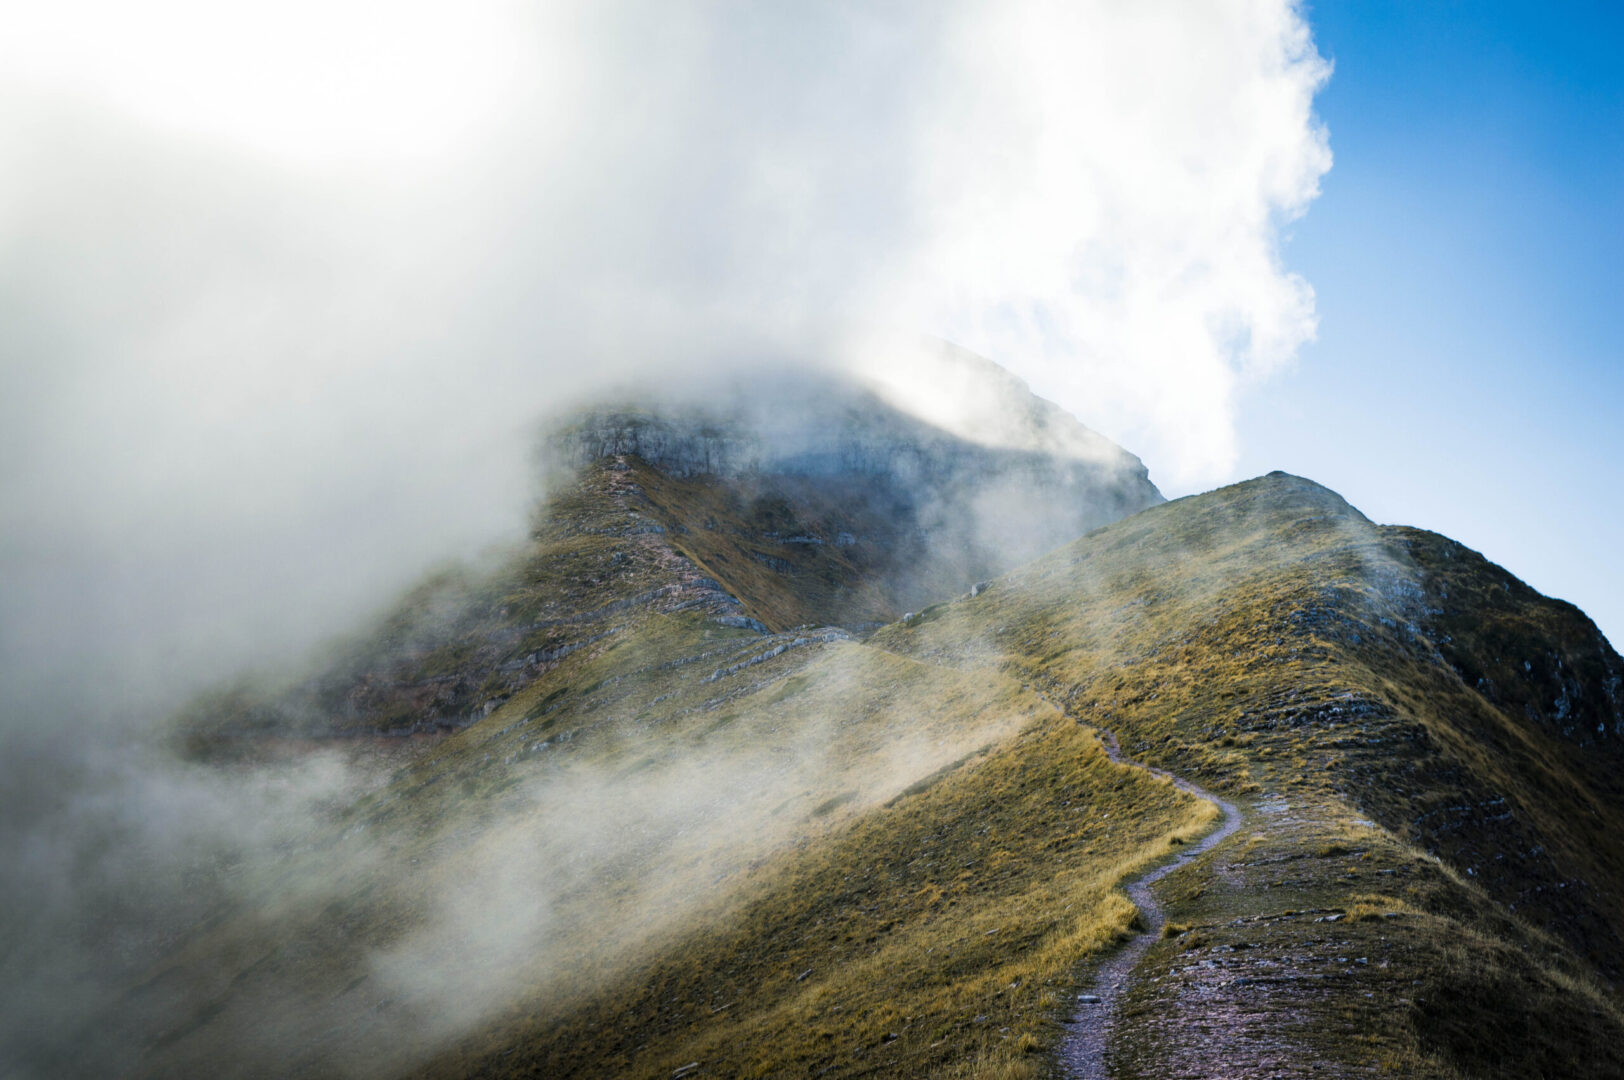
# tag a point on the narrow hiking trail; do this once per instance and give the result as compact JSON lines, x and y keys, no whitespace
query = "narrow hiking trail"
{"x":1082,"y":1051}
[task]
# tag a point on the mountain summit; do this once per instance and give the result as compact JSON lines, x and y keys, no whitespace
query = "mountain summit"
{"x":769,"y":498}
{"x":989,"y":477}
{"x":764,"y":756}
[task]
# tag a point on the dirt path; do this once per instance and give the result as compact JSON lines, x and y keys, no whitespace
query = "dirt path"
{"x":1082,"y":1052}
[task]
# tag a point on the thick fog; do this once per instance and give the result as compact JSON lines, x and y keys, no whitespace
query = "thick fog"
{"x":283,"y":284}
{"x":284,"y":287}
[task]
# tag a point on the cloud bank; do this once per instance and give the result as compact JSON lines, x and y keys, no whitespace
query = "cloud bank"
{"x":283,"y":284}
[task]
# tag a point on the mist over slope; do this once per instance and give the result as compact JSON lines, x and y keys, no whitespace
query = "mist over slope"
{"x":1000,"y":477}
{"x":766,"y":755}
{"x":771,"y":496}
{"x":667,"y":628}
{"x":1426,"y":881}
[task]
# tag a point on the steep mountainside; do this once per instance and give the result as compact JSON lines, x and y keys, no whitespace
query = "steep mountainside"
{"x":693,"y":841}
{"x":770,"y":500}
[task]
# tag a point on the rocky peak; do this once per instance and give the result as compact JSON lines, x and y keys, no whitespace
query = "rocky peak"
{"x":1014,"y":474}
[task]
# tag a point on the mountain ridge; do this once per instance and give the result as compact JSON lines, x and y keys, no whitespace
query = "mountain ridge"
{"x":743,"y":808}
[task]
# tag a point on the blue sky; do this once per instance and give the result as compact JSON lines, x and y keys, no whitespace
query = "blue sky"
{"x":1468,"y":256}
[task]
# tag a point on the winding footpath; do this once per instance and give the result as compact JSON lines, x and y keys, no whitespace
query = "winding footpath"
{"x":1082,"y":1052}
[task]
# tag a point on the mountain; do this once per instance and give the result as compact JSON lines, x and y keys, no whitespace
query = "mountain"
{"x":767,"y":499}
{"x":687,"y":811}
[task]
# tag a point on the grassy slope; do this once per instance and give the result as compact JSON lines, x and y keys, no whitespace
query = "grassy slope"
{"x":466,"y":637}
{"x":1357,"y":687}
{"x":736,"y":531}
{"x":831,"y":808}
{"x":1269,"y":640}
{"x":789,"y":552}
{"x":937,"y":931}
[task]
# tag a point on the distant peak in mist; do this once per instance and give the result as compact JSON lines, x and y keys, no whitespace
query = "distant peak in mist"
{"x":891,"y":407}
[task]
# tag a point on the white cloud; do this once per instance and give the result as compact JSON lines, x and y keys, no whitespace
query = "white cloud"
{"x":285,"y":281}
{"x":1106,"y":185}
